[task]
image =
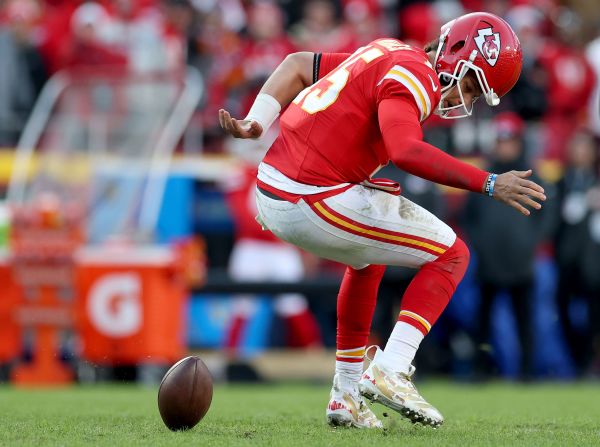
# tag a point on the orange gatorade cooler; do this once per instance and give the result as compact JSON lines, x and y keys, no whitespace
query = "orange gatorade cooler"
{"x":131,"y":306}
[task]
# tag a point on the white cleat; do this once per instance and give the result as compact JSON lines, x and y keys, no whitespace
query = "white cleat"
{"x":347,"y":408}
{"x":396,"y":391}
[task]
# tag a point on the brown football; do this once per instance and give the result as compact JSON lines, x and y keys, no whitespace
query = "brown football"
{"x":185,"y":393}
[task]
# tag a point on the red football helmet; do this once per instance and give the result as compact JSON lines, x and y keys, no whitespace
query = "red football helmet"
{"x":484,"y":43}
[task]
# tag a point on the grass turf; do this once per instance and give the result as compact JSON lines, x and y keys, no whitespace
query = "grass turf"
{"x":282,"y":415}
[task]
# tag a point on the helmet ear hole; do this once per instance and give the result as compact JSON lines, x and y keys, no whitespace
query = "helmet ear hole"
{"x":457,"y":46}
{"x":445,"y":79}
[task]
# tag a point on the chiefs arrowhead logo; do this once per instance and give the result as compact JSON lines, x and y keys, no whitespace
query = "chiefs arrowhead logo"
{"x":488,"y":43}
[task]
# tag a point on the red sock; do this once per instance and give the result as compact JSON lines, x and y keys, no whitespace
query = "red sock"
{"x":432,"y":287}
{"x":233,"y":337}
{"x":302,"y":330}
{"x":355,"y":307}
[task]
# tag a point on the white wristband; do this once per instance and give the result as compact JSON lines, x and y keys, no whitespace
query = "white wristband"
{"x":264,"y":111}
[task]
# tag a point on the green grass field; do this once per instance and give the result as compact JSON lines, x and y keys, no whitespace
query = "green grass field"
{"x":292,"y":415}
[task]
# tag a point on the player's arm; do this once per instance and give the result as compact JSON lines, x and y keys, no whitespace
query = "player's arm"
{"x":401,"y":130}
{"x":292,"y":76}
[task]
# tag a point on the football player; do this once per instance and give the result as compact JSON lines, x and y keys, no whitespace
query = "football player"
{"x":348,"y":115}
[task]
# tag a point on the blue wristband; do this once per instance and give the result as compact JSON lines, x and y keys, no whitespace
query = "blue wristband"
{"x":489,"y":184}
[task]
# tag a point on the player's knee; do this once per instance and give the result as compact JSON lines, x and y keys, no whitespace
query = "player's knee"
{"x":456,"y":259}
{"x":454,"y":262}
{"x":461,"y":251}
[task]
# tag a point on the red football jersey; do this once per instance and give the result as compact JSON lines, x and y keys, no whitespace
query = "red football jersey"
{"x":330,"y":133}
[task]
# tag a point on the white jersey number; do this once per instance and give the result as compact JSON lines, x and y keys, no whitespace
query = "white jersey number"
{"x":315,"y":98}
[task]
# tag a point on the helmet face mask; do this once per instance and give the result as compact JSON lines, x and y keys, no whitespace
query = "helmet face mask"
{"x":485,"y":46}
{"x":462,"y":110}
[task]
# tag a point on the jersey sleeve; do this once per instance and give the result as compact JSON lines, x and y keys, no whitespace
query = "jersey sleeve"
{"x":416,"y":79}
{"x":402,"y":138}
{"x":324,"y":63}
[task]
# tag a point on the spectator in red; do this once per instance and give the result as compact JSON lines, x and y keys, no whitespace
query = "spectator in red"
{"x":570,"y":84}
{"x":217,"y":52}
{"x":259,"y":256}
{"x":364,"y":19}
{"x":153,"y":38}
{"x":87,"y":47}
{"x":419,"y":24}
{"x":264,"y":49}
{"x":319,"y":29}
{"x":56,"y":29}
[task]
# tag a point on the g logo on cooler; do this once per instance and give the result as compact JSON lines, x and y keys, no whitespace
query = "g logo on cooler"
{"x":114,"y":304}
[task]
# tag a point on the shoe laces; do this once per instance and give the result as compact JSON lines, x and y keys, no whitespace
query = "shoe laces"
{"x":405,"y":375}
{"x":408,"y":375}
{"x":407,"y":379}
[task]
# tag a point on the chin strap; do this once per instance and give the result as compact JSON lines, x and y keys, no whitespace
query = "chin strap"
{"x":492,"y":99}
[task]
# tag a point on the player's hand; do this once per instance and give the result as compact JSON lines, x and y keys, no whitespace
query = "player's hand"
{"x":239,"y":128}
{"x":515,"y":190}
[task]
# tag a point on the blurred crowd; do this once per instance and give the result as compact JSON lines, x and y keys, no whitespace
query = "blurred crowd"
{"x":236,"y":44}
{"x":550,"y":121}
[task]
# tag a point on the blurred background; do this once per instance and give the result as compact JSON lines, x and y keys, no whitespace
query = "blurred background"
{"x":127,"y":232}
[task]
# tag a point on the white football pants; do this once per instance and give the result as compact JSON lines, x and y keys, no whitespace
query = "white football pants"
{"x":358,"y":227}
